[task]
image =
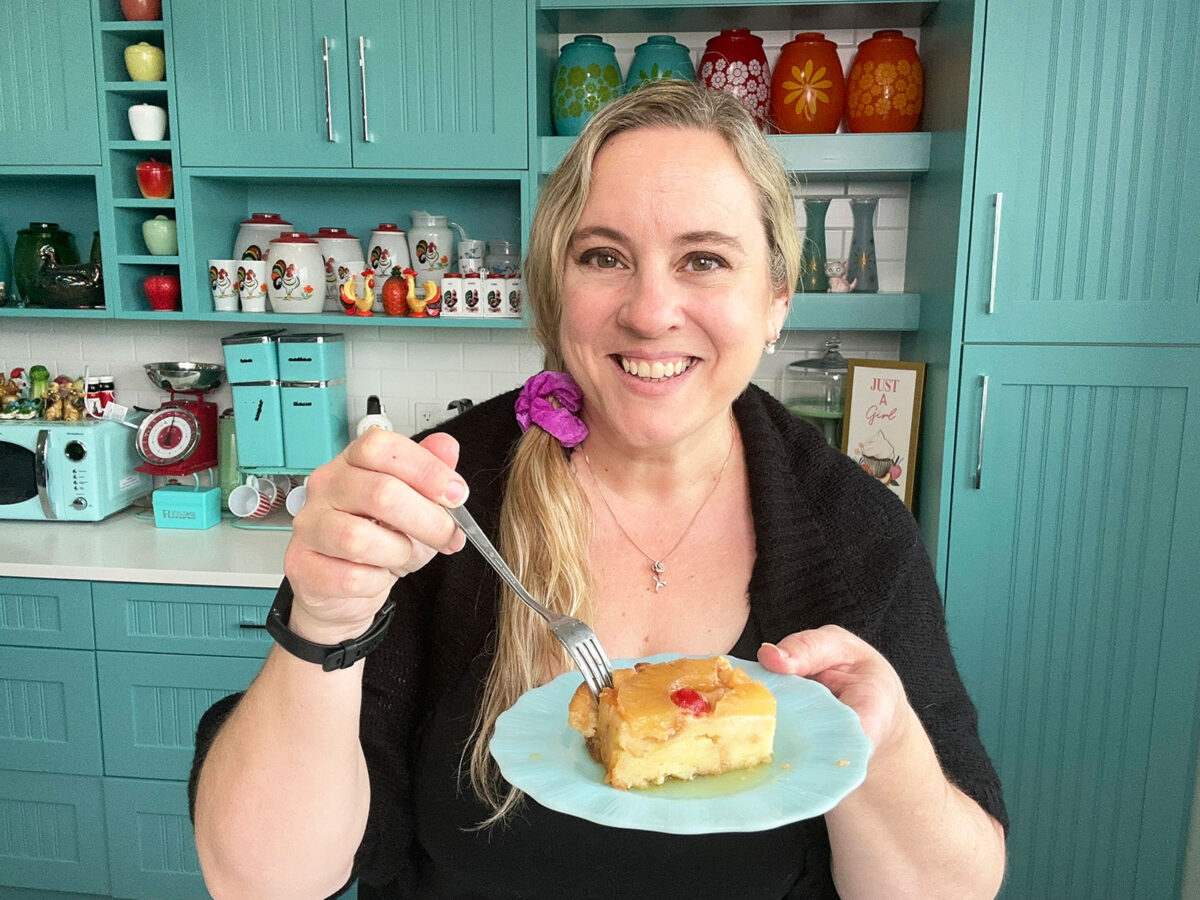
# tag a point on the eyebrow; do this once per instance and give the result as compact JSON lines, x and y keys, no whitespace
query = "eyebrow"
{"x":690,"y":237}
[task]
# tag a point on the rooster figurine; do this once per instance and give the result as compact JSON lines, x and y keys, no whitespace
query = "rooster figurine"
{"x":353,"y":304}
{"x":418,"y":305}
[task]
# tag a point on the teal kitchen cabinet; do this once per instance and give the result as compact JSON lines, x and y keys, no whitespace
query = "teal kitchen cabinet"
{"x":151,"y":849}
{"x":48,"y":112}
{"x":1084,"y":225}
{"x":365,"y":83}
{"x":1072,"y":605}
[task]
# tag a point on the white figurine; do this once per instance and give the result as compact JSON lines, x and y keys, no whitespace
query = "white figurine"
{"x":836,"y":270}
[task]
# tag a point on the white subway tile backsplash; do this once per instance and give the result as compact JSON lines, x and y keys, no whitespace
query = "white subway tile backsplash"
{"x":429,"y":353}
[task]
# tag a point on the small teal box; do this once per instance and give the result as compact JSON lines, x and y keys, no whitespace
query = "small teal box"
{"x":183,"y":506}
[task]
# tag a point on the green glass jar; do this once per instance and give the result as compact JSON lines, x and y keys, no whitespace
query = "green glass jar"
{"x":27,"y":256}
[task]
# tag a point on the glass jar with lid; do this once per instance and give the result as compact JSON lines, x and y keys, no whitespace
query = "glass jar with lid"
{"x":814,"y":389}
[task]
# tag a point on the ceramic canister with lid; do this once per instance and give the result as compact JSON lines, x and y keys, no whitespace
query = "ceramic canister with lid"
{"x":388,"y":249}
{"x":586,"y":78}
{"x":808,"y":90}
{"x":734,"y":62}
{"x":256,"y":233}
{"x":660,"y":58}
{"x":296,"y":280}
{"x":886,"y":85}
{"x":337,"y":246}
{"x":27,"y":256}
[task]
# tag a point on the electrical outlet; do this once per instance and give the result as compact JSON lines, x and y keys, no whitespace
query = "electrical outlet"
{"x":425,"y":415}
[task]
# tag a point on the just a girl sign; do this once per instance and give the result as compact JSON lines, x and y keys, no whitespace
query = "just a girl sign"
{"x":882,"y":415}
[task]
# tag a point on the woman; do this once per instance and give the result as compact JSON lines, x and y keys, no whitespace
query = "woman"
{"x":678,"y":511}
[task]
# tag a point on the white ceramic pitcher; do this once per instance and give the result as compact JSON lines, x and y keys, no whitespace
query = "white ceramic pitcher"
{"x":430,"y":244}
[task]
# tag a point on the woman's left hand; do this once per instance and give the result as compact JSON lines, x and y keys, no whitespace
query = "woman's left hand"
{"x":854,"y":671}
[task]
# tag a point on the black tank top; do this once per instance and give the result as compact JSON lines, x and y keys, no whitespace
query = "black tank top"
{"x":541,"y":854}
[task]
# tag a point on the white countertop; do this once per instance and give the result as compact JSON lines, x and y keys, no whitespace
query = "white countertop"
{"x":125,"y":547}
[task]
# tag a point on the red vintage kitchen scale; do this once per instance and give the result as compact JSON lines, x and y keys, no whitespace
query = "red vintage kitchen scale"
{"x":180,"y":437}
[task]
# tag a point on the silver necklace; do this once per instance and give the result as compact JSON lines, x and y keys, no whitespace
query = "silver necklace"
{"x":659,"y":566}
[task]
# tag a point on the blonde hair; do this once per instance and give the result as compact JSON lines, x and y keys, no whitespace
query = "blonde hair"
{"x":545,"y":519}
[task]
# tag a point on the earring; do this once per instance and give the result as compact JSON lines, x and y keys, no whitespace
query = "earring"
{"x":769,"y":346}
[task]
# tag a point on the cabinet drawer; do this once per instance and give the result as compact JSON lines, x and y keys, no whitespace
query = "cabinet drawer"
{"x":38,"y":613}
{"x":53,"y":834}
{"x":150,"y":705}
{"x":49,"y":719}
{"x":151,"y":847}
{"x":173,"y":618}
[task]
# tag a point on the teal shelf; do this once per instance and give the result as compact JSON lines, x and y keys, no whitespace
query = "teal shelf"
{"x":573,"y":16}
{"x":147,"y":260}
{"x":143,"y":203}
{"x":140,"y":146}
{"x":341,"y":319}
{"x":876,"y":156}
{"x":155,"y":25}
{"x":854,"y":312}
{"x":41,"y":312}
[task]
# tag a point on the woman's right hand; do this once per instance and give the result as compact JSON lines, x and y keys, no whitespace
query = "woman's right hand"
{"x":374,"y":513}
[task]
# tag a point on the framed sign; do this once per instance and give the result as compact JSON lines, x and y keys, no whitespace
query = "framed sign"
{"x":882,"y":417}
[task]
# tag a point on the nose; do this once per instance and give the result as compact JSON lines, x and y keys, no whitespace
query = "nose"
{"x":653,"y":306}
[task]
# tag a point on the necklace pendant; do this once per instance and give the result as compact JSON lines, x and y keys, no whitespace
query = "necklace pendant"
{"x":656,"y":570}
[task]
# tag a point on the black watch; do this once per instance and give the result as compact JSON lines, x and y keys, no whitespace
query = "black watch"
{"x":328,"y":656}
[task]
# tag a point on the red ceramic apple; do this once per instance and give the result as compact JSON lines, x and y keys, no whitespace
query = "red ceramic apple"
{"x":154,"y":179}
{"x":162,"y":291}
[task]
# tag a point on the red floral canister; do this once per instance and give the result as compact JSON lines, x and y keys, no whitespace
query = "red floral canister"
{"x":734,"y":62}
{"x":886,"y":85}
{"x":808,"y":90}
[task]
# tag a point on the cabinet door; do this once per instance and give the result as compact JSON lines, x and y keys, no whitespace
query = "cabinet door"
{"x":49,"y":718}
{"x":151,"y":845}
{"x":37,"y":613}
{"x":1089,"y":136}
{"x":254,"y":86}
{"x":1071,"y":600}
{"x":48,"y":100}
{"x":444,"y":83}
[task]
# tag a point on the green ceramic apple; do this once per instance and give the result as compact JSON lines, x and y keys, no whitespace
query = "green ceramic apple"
{"x":145,"y":62}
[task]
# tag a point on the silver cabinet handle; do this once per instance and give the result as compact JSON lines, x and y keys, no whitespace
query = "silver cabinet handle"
{"x":998,"y":202}
{"x":983,"y":380}
{"x":328,"y":104}
{"x":362,"y":68}
{"x":41,"y":473}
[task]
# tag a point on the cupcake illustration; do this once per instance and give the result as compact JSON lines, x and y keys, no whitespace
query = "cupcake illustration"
{"x":878,"y":458}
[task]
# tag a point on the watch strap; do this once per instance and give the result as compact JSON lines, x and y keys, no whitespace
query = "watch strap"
{"x":328,"y":656}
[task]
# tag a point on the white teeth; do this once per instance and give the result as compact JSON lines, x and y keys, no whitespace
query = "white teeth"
{"x":655,"y":371}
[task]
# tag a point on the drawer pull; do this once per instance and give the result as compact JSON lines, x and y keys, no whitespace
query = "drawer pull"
{"x":983,"y":380}
{"x":328,"y":102}
{"x":259,"y":625}
{"x":998,"y":202}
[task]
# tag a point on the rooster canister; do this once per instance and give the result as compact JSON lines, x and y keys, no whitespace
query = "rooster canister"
{"x":586,"y":78}
{"x":734,"y":62}
{"x":886,"y":86}
{"x":430,"y":242}
{"x":660,"y":58}
{"x":808,"y":90}
{"x":256,"y":233}
{"x":296,"y":278}
{"x":337,"y":247}
{"x":388,"y":250}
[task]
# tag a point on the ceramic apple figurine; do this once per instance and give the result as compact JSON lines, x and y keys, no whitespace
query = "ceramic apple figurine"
{"x":162,"y":291}
{"x":154,"y":179}
{"x":145,"y":62}
{"x":141,"y":10}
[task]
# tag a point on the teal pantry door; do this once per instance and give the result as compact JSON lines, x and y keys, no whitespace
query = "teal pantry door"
{"x":47,"y":84}
{"x":254,"y":86}
{"x":1089,"y":137}
{"x":444,"y":84}
{"x":1071,"y":598}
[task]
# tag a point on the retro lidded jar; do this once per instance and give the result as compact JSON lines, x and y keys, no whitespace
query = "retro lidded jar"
{"x":296,"y":278}
{"x":815,"y":390}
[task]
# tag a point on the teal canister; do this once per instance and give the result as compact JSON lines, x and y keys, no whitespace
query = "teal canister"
{"x":228,"y":476}
{"x":660,"y":58}
{"x":586,"y":78}
{"x":316,"y":423}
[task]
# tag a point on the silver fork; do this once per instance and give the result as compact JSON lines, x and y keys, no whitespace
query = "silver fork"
{"x":580,"y":641}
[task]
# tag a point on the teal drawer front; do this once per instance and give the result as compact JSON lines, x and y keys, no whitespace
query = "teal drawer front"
{"x":151,"y":848}
{"x":37,"y":613}
{"x":173,"y":618}
{"x":49,"y":719}
{"x":52,"y":833}
{"x":151,"y":703}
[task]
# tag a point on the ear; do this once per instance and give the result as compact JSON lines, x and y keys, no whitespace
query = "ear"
{"x":777,"y":313}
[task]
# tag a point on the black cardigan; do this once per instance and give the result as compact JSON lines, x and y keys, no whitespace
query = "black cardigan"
{"x":833,"y":546}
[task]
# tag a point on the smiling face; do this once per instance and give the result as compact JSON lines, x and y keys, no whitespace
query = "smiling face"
{"x":666,"y":296}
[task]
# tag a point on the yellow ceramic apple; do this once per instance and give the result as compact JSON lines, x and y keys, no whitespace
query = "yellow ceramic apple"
{"x":145,"y":62}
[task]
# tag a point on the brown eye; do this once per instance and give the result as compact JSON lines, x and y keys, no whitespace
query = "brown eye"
{"x":601,"y":259}
{"x":704,"y":262}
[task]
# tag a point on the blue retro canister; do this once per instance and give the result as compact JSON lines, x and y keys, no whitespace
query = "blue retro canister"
{"x":316,"y":425}
{"x":312,"y":357}
{"x":257,"y":414}
{"x":250,"y":356}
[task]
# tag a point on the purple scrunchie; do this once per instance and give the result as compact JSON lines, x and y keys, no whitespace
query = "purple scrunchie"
{"x":534,"y":407}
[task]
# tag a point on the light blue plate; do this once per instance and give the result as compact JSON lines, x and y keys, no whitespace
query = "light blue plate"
{"x":820,"y":756}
